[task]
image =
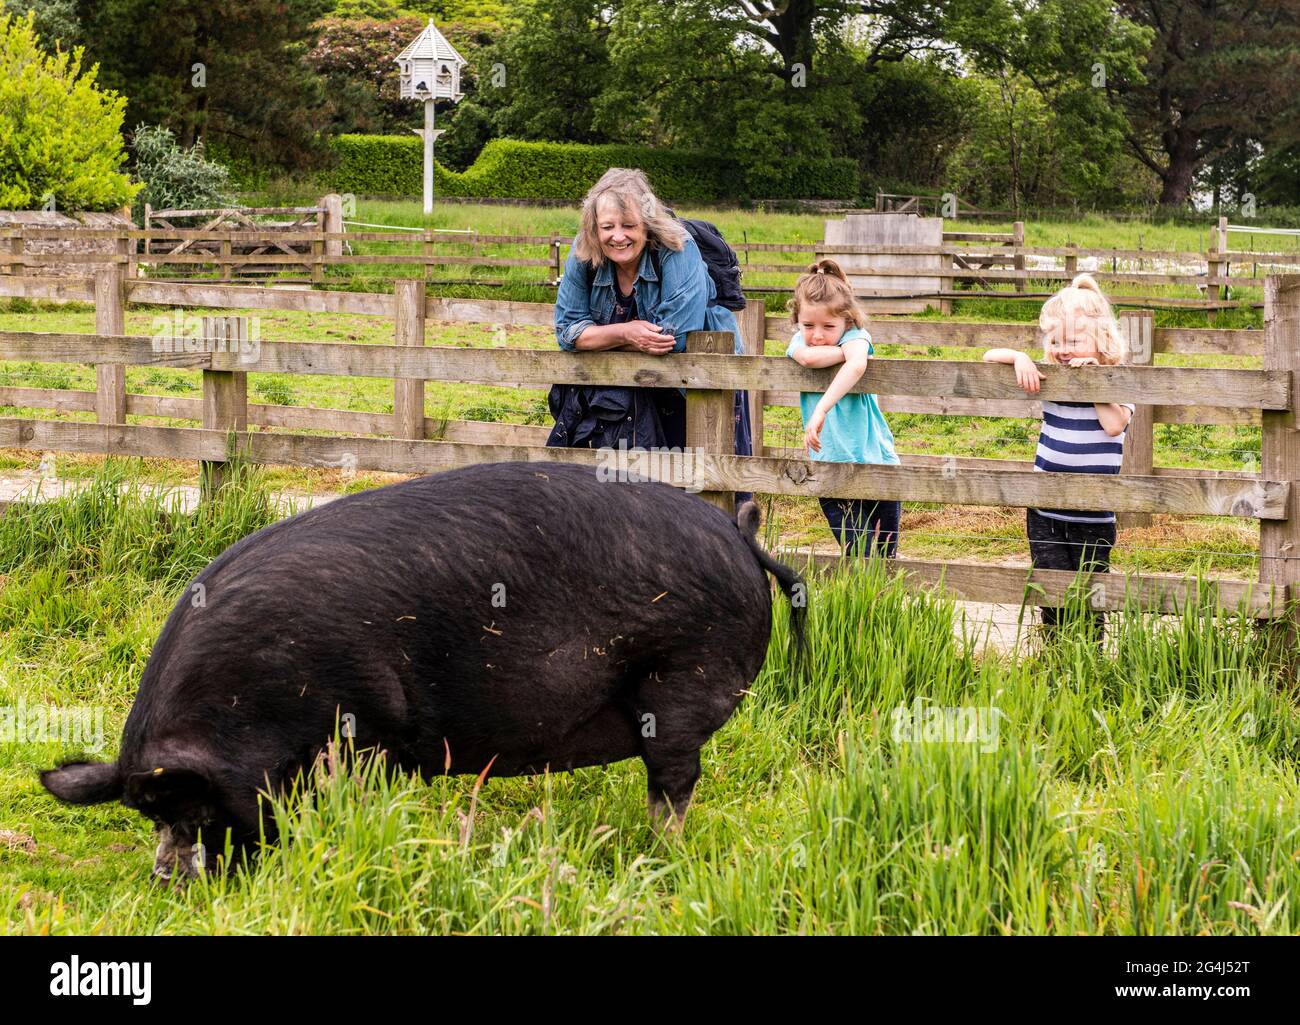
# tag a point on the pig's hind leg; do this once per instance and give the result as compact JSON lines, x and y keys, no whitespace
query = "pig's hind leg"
{"x":677,"y":709}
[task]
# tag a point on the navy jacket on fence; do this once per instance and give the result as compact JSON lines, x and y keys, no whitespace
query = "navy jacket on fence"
{"x":591,"y":416}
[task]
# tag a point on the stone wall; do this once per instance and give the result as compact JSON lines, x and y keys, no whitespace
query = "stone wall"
{"x":54,"y":247}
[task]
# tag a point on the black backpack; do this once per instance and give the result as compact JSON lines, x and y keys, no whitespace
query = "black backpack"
{"x":719,"y":258}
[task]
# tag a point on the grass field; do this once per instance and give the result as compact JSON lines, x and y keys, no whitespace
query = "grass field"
{"x":1150,"y":788}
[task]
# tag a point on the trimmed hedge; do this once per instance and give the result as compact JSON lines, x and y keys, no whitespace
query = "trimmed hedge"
{"x":392,"y":165}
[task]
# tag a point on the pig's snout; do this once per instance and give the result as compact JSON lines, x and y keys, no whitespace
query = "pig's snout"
{"x":177,"y":860}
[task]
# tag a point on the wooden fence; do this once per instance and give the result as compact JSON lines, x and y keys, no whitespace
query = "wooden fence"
{"x":418,"y":444}
{"x":982,"y":264}
{"x":215,"y":240}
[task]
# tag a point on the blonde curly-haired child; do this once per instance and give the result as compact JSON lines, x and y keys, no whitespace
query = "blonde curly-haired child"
{"x":1078,"y":329}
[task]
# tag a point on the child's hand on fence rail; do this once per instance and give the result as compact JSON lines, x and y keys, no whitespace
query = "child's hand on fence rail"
{"x":812,"y":434}
{"x":1028,"y":376}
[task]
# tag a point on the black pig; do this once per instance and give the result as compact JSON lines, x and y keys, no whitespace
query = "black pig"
{"x":526,"y":615}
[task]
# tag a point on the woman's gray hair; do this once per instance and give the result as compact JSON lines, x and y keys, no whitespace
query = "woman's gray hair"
{"x":629,"y":188}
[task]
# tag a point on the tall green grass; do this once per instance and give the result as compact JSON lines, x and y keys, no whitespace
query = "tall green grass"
{"x":1144,"y":785}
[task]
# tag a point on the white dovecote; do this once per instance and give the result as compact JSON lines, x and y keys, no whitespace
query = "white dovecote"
{"x":430,"y":67}
{"x":429,"y":70}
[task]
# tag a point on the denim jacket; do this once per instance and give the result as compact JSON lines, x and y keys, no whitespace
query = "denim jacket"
{"x":678,"y":304}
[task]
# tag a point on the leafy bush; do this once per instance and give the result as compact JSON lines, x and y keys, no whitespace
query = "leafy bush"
{"x":806,"y":178}
{"x":60,"y":134}
{"x":392,"y":165}
{"x":176,"y":178}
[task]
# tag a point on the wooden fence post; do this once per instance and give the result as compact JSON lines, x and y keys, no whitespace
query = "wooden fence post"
{"x":110,"y":319}
{"x":128,"y":247}
{"x":1215,"y":265}
{"x":331,"y":222}
{"x":225,"y":395}
{"x":1072,"y":262}
{"x":1018,"y":261}
{"x":428,"y":255}
{"x":710,"y":415}
{"x":1279,"y":540}
{"x":948,"y":285}
{"x":1138,"y":328}
{"x":753,"y":331}
{"x":408,"y":329}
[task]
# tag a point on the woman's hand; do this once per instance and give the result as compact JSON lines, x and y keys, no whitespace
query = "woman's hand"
{"x":1028,"y":376}
{"x":646,"y":337}
{"x":812,"y":435}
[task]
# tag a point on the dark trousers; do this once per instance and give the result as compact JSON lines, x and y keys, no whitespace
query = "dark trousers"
{"x":854,"y":521}
{"x":1059,"y":544}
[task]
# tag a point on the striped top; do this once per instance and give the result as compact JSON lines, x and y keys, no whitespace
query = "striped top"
{"x":1072,"y":440}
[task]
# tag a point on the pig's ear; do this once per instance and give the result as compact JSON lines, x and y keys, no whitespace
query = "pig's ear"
{"x":164,"y":789}
{"x":84,"y":782}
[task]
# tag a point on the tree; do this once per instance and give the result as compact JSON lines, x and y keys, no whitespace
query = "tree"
{"x":1277,"y":177}
{"x":791,"y":27}
{"x":869,"y":79}
{"x":731,"y":103}
{"x":489,"y":14}
{"x":60,"y":133}
{"x":551,"y":73}
{"x":357,"y":58}
{"x":224,"y":71}
{"x":1050,"y":130}
{"x":55,"y":21}
{"x":916,"y":114}
{"x":1219,"y":72}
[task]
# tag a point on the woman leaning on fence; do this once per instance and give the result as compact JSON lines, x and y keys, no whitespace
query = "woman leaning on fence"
{"x":634,"y":281}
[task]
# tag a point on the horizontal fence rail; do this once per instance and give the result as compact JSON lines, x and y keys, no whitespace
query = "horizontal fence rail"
{"x":421,"y":444}
{"x":1257,"y":499}
{"x":1233,"y":389}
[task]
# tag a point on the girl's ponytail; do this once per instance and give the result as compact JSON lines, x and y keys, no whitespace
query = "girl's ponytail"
{"x":1086,"y":282}
{"x":824,"y":283}
{"x":828,"y":267}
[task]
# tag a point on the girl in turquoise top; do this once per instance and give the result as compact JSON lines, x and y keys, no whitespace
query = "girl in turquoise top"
{"x":840,"y":426}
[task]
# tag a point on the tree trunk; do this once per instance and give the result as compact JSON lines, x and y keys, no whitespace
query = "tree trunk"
{"x":794,"y":29}
{"x":1180,"y":146}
